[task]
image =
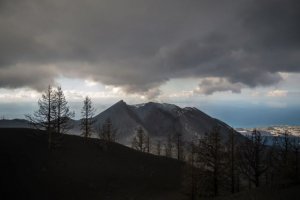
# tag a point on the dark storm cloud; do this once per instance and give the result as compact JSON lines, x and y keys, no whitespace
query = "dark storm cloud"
{"x":138,"y":45}
{"x":38,"y":77}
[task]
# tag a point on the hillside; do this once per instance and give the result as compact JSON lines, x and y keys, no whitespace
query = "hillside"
{"x":266,"y":193}
{"x":79,"y":170}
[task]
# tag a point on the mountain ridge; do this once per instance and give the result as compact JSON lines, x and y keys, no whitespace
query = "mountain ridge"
{"x":159,"y":120}
{"x":156,"y":119}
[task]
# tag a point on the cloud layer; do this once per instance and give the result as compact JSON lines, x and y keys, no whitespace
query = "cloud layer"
{"x":138,"y":45}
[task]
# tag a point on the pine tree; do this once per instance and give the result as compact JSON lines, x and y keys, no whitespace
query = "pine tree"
{"x":107,"y":132}
{"x":191,"y":172}
{"x":148,"y":144}
{"x":295,"y":158}
{"x":211,"y":156}
{"x":44,"y":117}
{"x":169,"y":146}
{"x":253,"y":158}
{"x":87,"y":120}
{"x":158,"y":147}
{"x":178,"y":145}
{"x":231,"y":158}
{"x":139,"y":141}
{"x":62,"y":112}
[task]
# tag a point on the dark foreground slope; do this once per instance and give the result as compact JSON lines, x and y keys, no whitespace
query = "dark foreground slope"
{"x":266,"y":193}
{"x":78,"y":170}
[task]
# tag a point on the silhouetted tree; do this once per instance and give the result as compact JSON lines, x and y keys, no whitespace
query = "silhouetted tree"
{"x":169,"y":146}
{"x":139,"y":141}
{"x":282,"y":150}
{"x":44,"y":117}
{"x":286,"y":159}
{"x":253,"y":158}
{"x":295,"y":157}
{"x":231,"y":160}
{"x":158,"y":147}
{"x":148,"y":144}
{"x":107,"y":132}
{"x":178,"y":145}
{"x":87,"y":120}
{"x":62,"y":112}
{"x":191,"y":172}
{"x":211,"y":156}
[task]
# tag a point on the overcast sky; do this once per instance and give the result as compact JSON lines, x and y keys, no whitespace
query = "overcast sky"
{"x":204,"y":53}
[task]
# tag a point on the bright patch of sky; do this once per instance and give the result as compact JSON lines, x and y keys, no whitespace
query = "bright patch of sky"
{"x":252,"y":107}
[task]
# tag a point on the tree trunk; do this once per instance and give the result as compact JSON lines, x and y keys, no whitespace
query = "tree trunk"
{"x":49,"y":139}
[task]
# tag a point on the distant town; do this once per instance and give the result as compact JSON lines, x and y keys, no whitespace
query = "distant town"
{"x":272,"y":130}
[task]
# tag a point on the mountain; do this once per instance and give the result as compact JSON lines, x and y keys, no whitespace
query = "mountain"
{"x":123,"y":118}
{"x":159,"y":120}
{"x":14,"y":123}
{"x":156,"y":119}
